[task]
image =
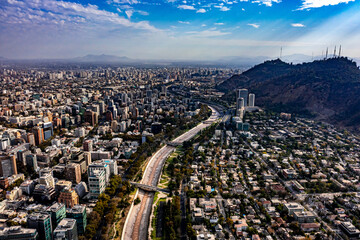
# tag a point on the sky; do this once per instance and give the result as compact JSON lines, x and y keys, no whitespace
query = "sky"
{"x":177,"y":29}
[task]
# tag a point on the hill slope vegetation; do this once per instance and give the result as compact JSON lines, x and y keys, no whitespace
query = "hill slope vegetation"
{"x":327,"y":89}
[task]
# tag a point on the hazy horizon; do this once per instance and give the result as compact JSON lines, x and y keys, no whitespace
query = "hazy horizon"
{"x":177,"y":30}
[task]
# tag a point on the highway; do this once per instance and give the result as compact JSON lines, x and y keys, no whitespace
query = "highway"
{"x":137,"y":221}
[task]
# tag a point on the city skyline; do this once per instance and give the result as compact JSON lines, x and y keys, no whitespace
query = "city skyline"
{"x":179,"y":30}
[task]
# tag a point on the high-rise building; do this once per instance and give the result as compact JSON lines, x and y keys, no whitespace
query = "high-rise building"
{"x":4,"y":142}
{"x":73,"y":172}
{"x":17,"y":232}
{"x":31,"y":161}
{"x":21,"y":156}
{"x":38,"y":134}
{"x":8,"y":165}
{"x":48,"y":130}
{"x":97,"y":182}
{"x":66,"y":230}
{"x":44,"y":193}
{"x":88,"y":145}
{"x":57,"y":212}
{"x":91,"y":117}
{"x":101,"y":165}
{"x":164,"y":90}
{"x":78,"y":212}
{"x":87,"y":157}
{"x":31,"y":139}
{"x":69,"y":197}
{"x":251,"y":100}
{"x":239,"y":104}
{"x":243,"y":93}
{"x":42,"y":223}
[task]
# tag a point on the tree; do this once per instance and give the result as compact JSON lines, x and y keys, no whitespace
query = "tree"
{"x":137,"y":201}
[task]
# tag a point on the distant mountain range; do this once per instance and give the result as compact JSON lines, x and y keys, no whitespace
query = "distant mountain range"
{"x":234,"y":61}
{"x":327,"y":90}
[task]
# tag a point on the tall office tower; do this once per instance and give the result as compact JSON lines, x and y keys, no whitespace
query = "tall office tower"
{"x":243,"y":93}
{"x":101,"y":165}
{"x":87,"y":157}
{"x":102,"y":107}
{"x":124,"y":98}
{"x":57,"y":212}
{"x":97,"y":182}
{"x":73,"y":172}
{"x":251,"y":100}
{"x":8,"y":165}
{"x":42,"y":223}
{"x":21,"y":156}
{"x":239,"y":104}
{"x":164,"y":90}
{"x":31,"y":161}
{"x":48,"y":130}
{"x":31,"y":139}
{"x":91,"y":117}
{"x":148,"y":93}
{"x":66,"y":230}
{"x":38,"y":134}
{"x":78,"y":212}
{"x":95,"y":108}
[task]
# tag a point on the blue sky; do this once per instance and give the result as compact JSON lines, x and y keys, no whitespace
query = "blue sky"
{"x":172,"y":29}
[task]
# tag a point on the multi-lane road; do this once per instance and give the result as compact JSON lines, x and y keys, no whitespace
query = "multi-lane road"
{"x":137,"y":221}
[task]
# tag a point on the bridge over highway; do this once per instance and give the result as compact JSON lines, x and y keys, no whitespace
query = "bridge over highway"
{"x":149,"y":188}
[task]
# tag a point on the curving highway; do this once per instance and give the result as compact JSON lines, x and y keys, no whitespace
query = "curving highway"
{"x":137,"y":221}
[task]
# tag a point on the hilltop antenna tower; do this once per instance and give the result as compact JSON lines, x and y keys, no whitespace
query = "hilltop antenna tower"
{"x":335,"y":52}
{"x":327,"y":49}
{"x":340,"y":51}
{"x":280,"y":52}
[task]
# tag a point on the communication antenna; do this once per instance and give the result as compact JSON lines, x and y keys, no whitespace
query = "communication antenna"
{"x":280,"y":52}
{"x":335,"y":52}
{"x":327,"y":50}
{"x":340,"y":51}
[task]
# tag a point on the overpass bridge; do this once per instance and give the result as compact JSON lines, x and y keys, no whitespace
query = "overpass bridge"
{"x":174,"y":144}
{"x":149,"y":188}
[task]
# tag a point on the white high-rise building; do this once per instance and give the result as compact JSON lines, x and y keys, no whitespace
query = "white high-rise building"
{"x":97,"y":182}
{"x":243,"y":93}
{"x":251,"y":100}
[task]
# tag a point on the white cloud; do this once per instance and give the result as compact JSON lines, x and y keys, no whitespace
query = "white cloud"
{"x":182,"y":22}
{"x":254,"y":25}
{"x":186,"y":7}
{"x":129,"y":13}
{"x":219,"y":24}
{"x":70,"y":12}
{"x":298,"y":25}
{"x":321,"y":3}
{"x":201,"y":10}
{"x":208,"y":33}
{"x":224,"y":9}
{"x":267,"y":3}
